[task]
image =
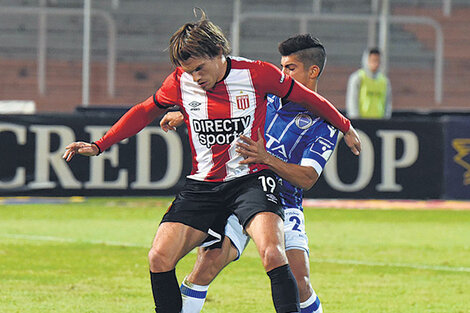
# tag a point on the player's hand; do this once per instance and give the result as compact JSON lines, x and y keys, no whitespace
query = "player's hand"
{"x":80,"y":147}
{"x":351,"y":138}
{"x":171,"y":120}
{"x":252,"y":151}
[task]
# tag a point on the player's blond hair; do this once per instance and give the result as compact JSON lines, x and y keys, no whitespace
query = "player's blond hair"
{"x":200,"y":39}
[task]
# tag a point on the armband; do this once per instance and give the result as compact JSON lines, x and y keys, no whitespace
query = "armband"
{"x":99,"y":149}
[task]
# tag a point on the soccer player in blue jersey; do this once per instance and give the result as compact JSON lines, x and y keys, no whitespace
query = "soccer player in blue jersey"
{"x":298,"y":146}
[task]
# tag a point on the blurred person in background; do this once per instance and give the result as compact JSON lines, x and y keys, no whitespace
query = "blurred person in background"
{"x":369,"y":92}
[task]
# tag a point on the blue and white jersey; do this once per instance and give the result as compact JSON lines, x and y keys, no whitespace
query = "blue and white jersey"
{"x":295,"y":135}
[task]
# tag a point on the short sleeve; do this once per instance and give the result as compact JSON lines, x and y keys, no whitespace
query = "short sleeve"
{"x":169,"y":93}
{"x":319,"y":150}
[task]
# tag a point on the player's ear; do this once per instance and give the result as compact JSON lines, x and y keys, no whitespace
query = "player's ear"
{"x":221,"y":51}
{"x":313,"y":71}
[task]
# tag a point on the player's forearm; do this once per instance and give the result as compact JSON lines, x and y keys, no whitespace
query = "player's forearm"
{"x":301,"y":176}
{"x":319,"y":106}
{"x":130,"y":124}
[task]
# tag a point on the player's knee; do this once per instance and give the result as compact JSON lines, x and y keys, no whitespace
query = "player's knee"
{"x":273,"y":256}
{"x":160,"y":261}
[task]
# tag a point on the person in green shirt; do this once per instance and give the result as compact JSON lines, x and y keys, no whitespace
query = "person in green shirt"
{"x":369,"y":93}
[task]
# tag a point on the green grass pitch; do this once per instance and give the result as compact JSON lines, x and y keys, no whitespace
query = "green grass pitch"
{"x":92,"y":257}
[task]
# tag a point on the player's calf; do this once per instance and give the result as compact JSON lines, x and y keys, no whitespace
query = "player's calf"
{"x":284,"y":290}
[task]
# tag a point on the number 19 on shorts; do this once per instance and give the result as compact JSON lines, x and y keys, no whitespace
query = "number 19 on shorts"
{"x":268,"y":183}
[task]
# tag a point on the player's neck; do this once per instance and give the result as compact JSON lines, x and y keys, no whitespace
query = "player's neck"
{"x":223,"y":68}
{"x":312,"y":85}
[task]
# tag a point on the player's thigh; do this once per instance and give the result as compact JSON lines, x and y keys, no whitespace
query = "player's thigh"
{"x":211,"y":259}
{"x":254,"y":194}
{"x":173,"y":241}
{"x":294,"y":230}
{"x":236,"y":234}
{"x":202,"y":206}
{"x":297,"y":250}
{"x":210,"y":262}
{"x":265,"y":228}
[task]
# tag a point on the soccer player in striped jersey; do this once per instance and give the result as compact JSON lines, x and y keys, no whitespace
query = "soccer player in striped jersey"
{"x":299,"y":145}
{"x":221,"y":98}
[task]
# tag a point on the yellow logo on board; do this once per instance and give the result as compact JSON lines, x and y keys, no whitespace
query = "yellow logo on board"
{"x":462,"y":146}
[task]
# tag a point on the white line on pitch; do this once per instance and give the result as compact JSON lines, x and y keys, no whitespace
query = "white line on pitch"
{"x":333,"y":261}
{"x":70,"y":240}
{"x":404,"y":265}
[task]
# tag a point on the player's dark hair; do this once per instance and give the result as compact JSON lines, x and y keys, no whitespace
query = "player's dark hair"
{"x":374,"y":51}
{"x":309,"y":50}
{"x":200,"y":39}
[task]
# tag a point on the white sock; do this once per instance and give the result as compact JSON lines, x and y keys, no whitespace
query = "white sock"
{"x":311,"y":305}
{"x":193,"y":297}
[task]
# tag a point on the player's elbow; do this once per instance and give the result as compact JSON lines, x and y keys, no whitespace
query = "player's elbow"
{"x":308,"y":183}
{"x":309,"y":179}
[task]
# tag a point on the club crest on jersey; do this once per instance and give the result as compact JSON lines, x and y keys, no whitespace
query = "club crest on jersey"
{"x":243,"y":102}
{"x":303,"y":121}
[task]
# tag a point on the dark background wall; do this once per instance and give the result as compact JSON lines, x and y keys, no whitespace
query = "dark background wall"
{"x":419,"y":157}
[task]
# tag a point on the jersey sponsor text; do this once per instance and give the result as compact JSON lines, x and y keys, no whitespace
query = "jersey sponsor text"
{"x":219,"y":131}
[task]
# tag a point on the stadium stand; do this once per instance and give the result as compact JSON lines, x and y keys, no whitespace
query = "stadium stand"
{"x":144,"y":26}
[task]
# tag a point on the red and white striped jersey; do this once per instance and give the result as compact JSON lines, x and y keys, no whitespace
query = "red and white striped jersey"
{"x":216,"y":118}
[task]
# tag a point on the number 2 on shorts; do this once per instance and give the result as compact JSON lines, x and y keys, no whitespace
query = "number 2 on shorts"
{"x":296,"y":220}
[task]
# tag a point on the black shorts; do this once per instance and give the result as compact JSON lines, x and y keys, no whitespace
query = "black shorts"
{"x":207,"y":205}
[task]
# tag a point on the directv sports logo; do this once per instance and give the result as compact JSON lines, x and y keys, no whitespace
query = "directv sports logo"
{"x":219,"y":131}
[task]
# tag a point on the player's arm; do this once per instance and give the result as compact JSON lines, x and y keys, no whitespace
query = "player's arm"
{"x":323,"y":108}
{"x":171,"y":120}
{"x":285,"y":87}
{"x":255,"y":152}
{"x":127,"y":126}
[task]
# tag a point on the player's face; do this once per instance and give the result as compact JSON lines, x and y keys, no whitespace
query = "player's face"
{"x":206,"y":71}
{"x":294,"y":68}
{"x":373,"y":62}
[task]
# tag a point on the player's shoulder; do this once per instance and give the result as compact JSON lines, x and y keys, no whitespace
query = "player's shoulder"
{"x":274,"y":102}
{"x":241,"y":62}
{"x":326,"y":130}
{"x":272,"y":98}
{"x":178,"y":72}
{"x":174,"y":76}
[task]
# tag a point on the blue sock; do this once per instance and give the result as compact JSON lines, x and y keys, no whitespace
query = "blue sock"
{"x":193,"y":296}
{"x":311,"y":305}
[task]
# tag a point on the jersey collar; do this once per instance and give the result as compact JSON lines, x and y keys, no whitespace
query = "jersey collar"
{"x":227,"y":70}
